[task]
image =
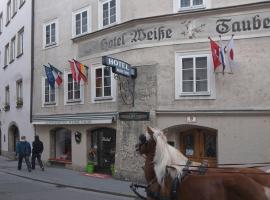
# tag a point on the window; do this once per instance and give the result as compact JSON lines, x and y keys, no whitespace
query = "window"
{"x":50,"y":33}
{"x":193,"y":75}
{"x":74,"y":92}
{"x":1,"y":23}
{"x":7,"y":99}
{"x":191,"y":4}
{"x":19,"y":93}
{"x":6,"y":54}
{"x":8,"y":12}
{"x":49,"y":93}
{"x":14,"y":7}
{"x":81,"y":22}
{"x":103,"y":82}
{"x":21,"y":3}
{"x":20,"y":43}
{"x":12,"y":49}
{"x":109,"y":12}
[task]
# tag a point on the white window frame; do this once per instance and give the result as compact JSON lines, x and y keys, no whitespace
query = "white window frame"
{"x":100,"y":11}
{"x":88,"y":9}
{"x":14,"y":7}
{"x":72,"y":101}
{"x":6,"y":58}
{"x":1,"y":22}
{"x":19,"y":89}
{"x":96,"y":99}
{"x":21,"y":3}
{"x":12,"y":49}
{"x":54,"y":43}
{"x":8,"y":12}
{"x":20,"y":42}
{"x":179,"y":94}
{"x":49,"y":103}
{"x":177,"y":6}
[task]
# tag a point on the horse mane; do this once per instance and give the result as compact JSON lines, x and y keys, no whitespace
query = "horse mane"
{"x":166,"y":155}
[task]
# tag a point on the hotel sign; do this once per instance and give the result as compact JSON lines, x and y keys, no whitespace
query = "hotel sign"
{"x":134,"y":116}
{"x":119,"y":67}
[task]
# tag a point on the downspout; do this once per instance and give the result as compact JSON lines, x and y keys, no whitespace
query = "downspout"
{"x":32,"y":60}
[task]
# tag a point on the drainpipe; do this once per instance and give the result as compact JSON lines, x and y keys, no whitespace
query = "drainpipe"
{"x":32,"y":59}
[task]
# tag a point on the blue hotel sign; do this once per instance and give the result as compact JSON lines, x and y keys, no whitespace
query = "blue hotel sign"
{"x":119,"y":67}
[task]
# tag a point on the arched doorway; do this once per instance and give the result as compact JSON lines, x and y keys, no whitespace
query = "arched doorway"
{"x":103,"y":142}
{"x":60,"y":145}
{"x":13,"y":138}
{"x":199,"y":145}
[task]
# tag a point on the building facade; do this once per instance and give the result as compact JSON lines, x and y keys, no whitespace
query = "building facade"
{"x":15,"y":73}
{"x":214,"y":116}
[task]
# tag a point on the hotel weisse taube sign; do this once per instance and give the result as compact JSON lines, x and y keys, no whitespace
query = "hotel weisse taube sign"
{"x":176,"y":30}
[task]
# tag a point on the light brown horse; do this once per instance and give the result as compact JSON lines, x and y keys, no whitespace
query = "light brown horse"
{"x":224,"y":184}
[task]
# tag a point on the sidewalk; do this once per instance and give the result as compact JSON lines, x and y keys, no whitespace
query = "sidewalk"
{"x":68,"y":178}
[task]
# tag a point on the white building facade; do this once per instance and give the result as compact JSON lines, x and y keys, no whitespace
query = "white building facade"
{"x":222,"y":118}
{"x":15,"y":73}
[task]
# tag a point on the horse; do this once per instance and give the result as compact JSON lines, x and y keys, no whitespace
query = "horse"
{"x":230,"y":183}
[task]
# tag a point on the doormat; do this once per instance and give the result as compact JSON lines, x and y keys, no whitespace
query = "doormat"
{"x":97,"y":175}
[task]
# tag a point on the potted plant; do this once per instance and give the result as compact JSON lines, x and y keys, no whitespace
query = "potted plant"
{"x":6,"y":107}
{"x":90,"y":167}
{"x":19,"y":102}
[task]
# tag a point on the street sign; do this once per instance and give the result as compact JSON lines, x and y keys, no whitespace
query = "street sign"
{"x":133,"y":116}
{"x":119,"y":67}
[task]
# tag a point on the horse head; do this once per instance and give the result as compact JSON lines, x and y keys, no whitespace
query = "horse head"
{"x":147,"y":144}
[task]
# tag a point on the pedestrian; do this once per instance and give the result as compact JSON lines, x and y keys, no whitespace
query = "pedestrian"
{"x":23,"y":150}
{"x":36,"y":152}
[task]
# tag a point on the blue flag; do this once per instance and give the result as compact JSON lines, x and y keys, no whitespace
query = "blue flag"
{"x":49,"y":74}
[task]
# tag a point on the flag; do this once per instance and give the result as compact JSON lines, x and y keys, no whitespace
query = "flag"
{"x":50,"y":76}
{"x":215,"y":53}
{"x":57,"y":75}
{"x":73,"y":70}
{"x":229,"y":50}
{"x":82,"y":71}
{"x":222,"y":57}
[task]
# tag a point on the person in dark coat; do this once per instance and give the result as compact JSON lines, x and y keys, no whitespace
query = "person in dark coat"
{"x":23,"y":150}
{"x":36,"y":152}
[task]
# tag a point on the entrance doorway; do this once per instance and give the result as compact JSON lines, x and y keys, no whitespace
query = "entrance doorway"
{"x":103,"y":142}
{"x":13,"y":138}
{"x":199,"y":145}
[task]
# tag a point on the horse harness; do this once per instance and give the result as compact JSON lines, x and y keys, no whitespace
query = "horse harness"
{"x":175,"y":183}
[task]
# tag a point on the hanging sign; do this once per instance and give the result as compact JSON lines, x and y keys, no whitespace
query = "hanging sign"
{"x":78,"y":137}
{"x":119,"y":67}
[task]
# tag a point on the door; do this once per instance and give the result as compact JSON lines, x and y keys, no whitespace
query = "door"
{"x":199,"y":145}
{"x":103,"y":141}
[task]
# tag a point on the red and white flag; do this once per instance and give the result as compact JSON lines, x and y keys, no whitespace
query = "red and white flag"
{"x":74,"y":71}
{"x":215,"y":48}
{"x":57,"y":74}
{"x":229,"y":50}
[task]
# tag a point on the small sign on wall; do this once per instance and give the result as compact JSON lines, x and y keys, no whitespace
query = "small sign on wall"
{"x":191,"y":119}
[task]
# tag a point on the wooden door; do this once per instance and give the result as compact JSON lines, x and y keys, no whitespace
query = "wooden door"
{"x":199,"y":145}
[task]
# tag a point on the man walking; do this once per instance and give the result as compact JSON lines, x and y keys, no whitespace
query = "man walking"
{"x":23,"y":150}
{"x":36,"y":152}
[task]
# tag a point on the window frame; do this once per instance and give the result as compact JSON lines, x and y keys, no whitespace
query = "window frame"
{"x":179,"y":94}
{"x":50,"y":44}
{"x":88,"y":9}
{"x":20,"y":35}
{"x":103,"y":98}
{"x":7,"y":95}
{"x":1,"y":23}
{"x":50,"y":102}
{"x":8,"y":12}
{"x":6,"y":55}
{"x":12,"y":55}
{"x":117,"y":13}
{"x":73,"y":100}
{"x":14,"y":8}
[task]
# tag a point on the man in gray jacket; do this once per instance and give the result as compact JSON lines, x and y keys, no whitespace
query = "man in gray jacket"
{"x":23,"y":150}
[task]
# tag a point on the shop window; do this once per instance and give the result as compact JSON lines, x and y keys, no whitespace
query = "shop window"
{"x":62,"y":150}
{"x":194,"y":76}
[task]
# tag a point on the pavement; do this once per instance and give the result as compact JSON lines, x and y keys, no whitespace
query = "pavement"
{"x":63,"y":177}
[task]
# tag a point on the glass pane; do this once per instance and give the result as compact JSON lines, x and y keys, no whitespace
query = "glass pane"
{"x":98,"y":92}
{"x":187,"y":86}
{"x":107,"y":71}
{"x":99,"y":82}
{"x":52,"y":95}
{"x":70,"y":95}
{"x":107,"y":81}
{"x":84,"y":22}
{"x":48,"y":34}
{"x":98,"y":73}
{"x":105,"y":14}
{"x":112,"y":3}
{"x":78,"y":24}
{"x":201,"y":74}
{"x":53,"y":32}
{"x":187,"y":63}
{"x":187,"y":75}
{"x":201,"y":62}
{"x":201,"y":86}
{"x":185,"y":3}
{"x":113,"y":19}
{"x":210,"y":146}
{"x":189,"y":145}
{"x":197,"y":2}
{"x":107,"y":91}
